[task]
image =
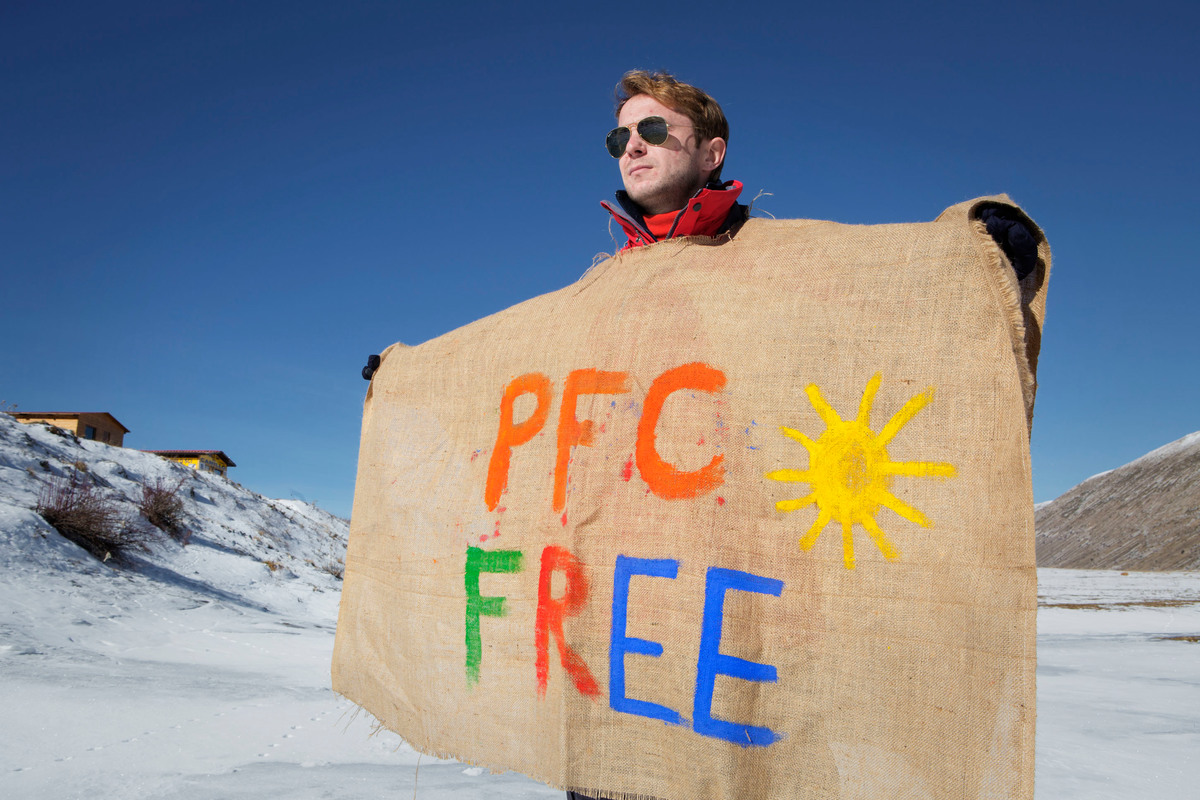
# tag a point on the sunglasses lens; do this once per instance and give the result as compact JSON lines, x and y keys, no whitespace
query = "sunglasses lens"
{"x":616,"y":140}
{"x":653,"y":130}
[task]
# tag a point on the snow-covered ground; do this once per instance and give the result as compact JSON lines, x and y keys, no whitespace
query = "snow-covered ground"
{"x":203,"y":671}
{"x":1118,"y":685}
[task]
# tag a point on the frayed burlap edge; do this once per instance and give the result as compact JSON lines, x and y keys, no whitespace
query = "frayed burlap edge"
{"x":383,"y":357}
{"x":1023,"y":302}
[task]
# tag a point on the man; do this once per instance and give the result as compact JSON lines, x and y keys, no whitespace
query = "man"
{"x":670,"y":144}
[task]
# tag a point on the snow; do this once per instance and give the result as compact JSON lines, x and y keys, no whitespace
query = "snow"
{"x":1171,"y":448}
{"x":201,"y":672}
{"x":1118,"y":698}
{"x":1181,"y":445}
{"x":1092,"y":478}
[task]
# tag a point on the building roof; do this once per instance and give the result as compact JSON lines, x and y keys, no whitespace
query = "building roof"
{"x":66,"y":415}
{"x":172,"y":453}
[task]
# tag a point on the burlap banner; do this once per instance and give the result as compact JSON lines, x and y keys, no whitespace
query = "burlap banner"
{"x":747,"y":519}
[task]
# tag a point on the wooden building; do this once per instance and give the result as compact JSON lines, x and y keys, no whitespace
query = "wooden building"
{"x":96,"y":425}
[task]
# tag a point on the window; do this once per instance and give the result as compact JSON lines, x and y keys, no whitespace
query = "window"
{"x":89,"y":432}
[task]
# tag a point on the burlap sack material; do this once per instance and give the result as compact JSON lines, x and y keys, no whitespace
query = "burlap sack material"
{"x":739,"y":519}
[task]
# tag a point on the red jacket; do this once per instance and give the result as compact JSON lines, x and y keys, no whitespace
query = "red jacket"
{"x":712,"y":211}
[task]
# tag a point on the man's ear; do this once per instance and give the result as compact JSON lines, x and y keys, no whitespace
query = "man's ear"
{"x":714,"y":153}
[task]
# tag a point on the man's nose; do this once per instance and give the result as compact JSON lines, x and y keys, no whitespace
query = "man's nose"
{"x":636,"y":144}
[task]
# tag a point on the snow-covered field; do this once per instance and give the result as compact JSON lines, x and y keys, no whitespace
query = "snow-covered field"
{"x":158,"y":691}
{"x":203,"y":671}
{"x":1118,"y":685}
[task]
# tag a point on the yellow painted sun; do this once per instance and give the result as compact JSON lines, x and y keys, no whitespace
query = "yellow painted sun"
{"x":850,"y":471}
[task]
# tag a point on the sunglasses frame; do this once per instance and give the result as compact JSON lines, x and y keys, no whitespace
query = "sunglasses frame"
{"x":629,"y":129}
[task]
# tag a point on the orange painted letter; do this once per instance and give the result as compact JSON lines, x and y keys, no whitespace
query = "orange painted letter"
{"x":572,"y":431}
{"x":550,"y":613}
{"x":511,"y":435}
{"x":664,"y":479}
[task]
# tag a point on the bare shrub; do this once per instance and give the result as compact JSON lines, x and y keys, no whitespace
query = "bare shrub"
{"x":335,"y":567}
{"x":330,"y":565}
{"x":163,"y":509}
{"x":80,"y":513}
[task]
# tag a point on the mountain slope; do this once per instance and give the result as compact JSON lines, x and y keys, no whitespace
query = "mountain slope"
{"x":1142,"y":516}
{"x":244,"y":550}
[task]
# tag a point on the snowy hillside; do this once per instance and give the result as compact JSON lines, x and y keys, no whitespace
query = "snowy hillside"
{"x":242,"y":547}
{"x":1142,"y":516}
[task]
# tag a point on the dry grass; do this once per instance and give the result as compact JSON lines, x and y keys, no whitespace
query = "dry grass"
{"x":163,"y":509}
{"x":1173,"y":603}
{"x":81,"y":514}
{"x":330,"y":566}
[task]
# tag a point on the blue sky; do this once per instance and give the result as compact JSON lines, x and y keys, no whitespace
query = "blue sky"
{"x":211,"y":212}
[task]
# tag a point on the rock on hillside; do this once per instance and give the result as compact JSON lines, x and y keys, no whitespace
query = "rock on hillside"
{"x":1142,"y":516}
{"x":244,"y":550}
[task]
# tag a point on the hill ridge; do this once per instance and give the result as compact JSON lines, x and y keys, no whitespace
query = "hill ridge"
{"x":1144,"y":515}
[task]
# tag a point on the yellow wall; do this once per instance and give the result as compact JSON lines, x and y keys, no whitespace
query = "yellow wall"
{"x":203,"y":462}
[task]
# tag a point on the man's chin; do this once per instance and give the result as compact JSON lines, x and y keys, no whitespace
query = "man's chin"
{"x":654,"y":202}
{"x":639,"y":192}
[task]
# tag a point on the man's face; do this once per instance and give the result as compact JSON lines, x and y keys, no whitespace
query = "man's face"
{"x":661,"y":178}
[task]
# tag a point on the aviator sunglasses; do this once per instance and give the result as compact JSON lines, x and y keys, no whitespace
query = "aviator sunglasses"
{"x":653,"y":130}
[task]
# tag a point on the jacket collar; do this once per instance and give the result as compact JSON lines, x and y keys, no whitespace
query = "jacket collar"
{"x":709,"y":212}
